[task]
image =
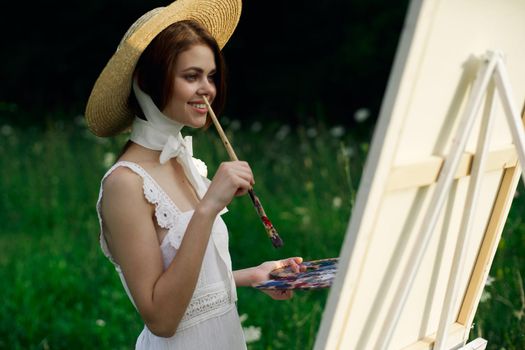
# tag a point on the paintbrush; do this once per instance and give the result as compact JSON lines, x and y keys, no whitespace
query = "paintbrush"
{"x":270,"y":230}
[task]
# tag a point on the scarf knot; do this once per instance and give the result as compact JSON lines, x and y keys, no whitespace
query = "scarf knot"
{"x":161,"y":133}
{"x":176,"y":146}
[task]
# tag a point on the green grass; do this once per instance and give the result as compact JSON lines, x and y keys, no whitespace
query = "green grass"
{"x":59,"y":292}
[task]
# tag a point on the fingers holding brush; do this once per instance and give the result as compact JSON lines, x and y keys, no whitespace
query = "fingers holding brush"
{"x":231,"y":179}
{"x":244,"y":173}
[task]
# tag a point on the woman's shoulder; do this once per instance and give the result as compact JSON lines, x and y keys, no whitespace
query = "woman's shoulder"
{"x":123,"y":189}
{"x":128,"y":176}
{"x":121,"y":181}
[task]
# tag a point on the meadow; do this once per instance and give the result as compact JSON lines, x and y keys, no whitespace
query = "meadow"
{"x":58,"y":291}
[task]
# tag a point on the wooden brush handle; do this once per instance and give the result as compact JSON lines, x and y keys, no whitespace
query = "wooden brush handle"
{"x":268,"y":226}
{"x":218,"y":126}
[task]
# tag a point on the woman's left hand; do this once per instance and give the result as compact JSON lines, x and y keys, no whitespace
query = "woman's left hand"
{"x":262,"y":273}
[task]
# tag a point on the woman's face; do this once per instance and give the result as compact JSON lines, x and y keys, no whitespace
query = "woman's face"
{"x":194,"y":77}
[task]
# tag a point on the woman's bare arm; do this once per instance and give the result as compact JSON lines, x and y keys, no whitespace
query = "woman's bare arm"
{"x":163,"y":296}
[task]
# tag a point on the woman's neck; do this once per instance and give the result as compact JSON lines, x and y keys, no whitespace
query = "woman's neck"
{"x":138,"y":153}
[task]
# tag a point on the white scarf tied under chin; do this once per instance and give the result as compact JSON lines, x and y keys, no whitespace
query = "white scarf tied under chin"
{"x":161,"y":133}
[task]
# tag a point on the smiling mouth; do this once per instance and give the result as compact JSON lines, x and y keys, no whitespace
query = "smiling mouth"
{"x":198,"y":105}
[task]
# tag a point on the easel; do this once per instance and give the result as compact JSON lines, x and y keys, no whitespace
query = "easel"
{"x":492,"y":70}
{"x":404,"y":284}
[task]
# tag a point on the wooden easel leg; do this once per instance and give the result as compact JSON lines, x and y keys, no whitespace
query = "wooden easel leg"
{"x":476,"y":344}
{"x":436,"y":203}
{"x":469,"y":217}
{"x":513,"y":117}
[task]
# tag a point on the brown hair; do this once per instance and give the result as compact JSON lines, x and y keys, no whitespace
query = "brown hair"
{"x":155,"y":68}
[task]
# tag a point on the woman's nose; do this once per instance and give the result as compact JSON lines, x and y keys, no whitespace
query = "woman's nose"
{"x":206,"y":88}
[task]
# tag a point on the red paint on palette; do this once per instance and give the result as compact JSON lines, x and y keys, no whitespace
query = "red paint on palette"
{"x":318,"y":274}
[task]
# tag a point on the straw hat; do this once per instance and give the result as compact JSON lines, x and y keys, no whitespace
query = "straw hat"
{"x":107,"y":111}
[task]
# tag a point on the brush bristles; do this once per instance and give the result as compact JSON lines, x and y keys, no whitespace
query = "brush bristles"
{"x":277,"y":242}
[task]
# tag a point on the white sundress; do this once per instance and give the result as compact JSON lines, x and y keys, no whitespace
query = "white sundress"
{"x":211,"y":320}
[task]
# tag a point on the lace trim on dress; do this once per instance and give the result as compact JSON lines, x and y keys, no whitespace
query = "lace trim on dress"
{"x":214,"y":302}
{"x":166,"y":212}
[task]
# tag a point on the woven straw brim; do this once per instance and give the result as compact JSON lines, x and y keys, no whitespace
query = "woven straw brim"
{"x":107,"y":111}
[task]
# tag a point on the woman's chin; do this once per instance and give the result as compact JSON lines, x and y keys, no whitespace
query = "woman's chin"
{"x":197,"y":124}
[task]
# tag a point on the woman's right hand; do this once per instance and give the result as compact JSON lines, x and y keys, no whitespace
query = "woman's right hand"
{"x":233,"y":178}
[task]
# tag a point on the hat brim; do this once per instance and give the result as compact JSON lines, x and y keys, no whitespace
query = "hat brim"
{"x":107,"y":111}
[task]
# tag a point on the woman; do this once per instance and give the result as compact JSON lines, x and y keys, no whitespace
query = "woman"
{"x":159,"y":215}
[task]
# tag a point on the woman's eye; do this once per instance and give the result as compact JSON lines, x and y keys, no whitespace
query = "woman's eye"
{"x":211,"y":78}
{"x":191,"y":77}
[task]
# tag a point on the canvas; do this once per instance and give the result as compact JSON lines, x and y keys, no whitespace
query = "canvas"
{"x":442,"y":47}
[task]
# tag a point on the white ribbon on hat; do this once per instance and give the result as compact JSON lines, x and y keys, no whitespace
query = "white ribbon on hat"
{"x":161,"y":133}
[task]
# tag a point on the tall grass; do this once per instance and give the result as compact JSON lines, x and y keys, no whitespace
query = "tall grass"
{"x":59,"y":292}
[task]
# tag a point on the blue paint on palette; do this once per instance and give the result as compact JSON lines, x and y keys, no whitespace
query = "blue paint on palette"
{"x":318,"y":274}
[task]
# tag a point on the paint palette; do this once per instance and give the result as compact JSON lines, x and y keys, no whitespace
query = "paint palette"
{"x":318,"y":274}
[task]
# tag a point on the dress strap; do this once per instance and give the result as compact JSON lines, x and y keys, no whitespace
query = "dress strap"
{"x":136,"y":169}
{"x":131,"y":165}
{"x":153,"y":194}
{"x":166,"y":211}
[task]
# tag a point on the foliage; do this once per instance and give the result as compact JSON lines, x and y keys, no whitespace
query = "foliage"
{"x":501,"y":314}
{"x":59,"y":292}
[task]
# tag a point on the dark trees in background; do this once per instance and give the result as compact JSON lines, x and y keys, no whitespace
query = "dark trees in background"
{"x":288,"y":60}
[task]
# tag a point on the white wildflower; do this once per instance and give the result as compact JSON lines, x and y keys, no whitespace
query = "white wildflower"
{"x":337,"y":131}
{"x":256,"y":127}
{"x":251,"y":333}
{"x":235,"y":125}
{"x":109,"y":159}
{"x":489,"y":281}
{"x":301,"y":210}
{"x":306,"y":220}
{"x":311,"y":132}
{"x":6,"y":130}
{"x":337,"y":202}
{"x":309,"y":185}
{"x":100,"y":323}
{"x":519,"y":314}
{"x":282,"y":132}
{"x":308,"y":162}
{"x":484,"y":296}
{"x":347,"y":152}
{"x":243,"y":317}
{"x":284,"y":215}
{"x":361,"y":115}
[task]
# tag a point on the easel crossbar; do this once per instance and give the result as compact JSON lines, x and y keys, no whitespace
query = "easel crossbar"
{"x":426,"y":172}
{"x":492,"y":70}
